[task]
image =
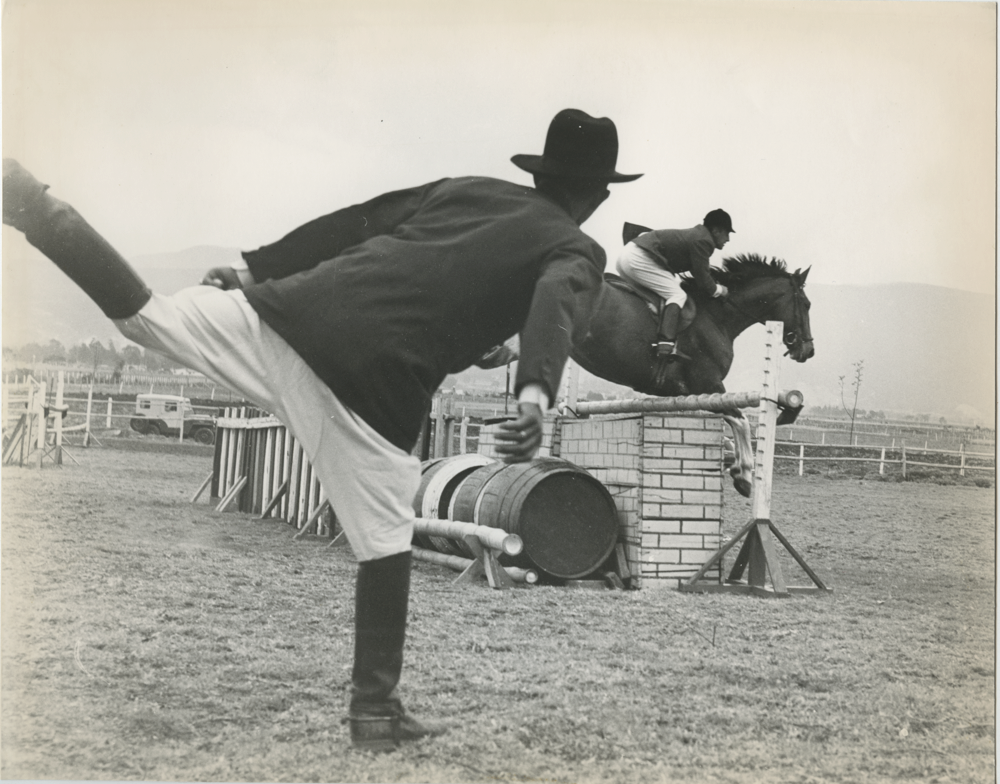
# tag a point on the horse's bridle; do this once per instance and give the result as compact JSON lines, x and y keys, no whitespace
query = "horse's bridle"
{"x":790,"y":337}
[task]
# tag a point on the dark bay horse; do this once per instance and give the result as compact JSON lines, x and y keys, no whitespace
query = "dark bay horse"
{"x":623,"y":328}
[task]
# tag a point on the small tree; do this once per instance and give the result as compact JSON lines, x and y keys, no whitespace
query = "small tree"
{"x":852,"y":412}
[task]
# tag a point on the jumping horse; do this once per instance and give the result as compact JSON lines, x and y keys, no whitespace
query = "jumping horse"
{"x":623,"y":327}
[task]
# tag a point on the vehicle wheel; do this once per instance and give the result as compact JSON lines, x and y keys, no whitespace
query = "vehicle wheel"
{"x":139,"y":426}
{"x":153,"y":429}
{"x":204,"y":436}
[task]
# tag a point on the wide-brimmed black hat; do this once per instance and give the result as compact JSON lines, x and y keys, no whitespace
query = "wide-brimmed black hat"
{"x":578,"y":146}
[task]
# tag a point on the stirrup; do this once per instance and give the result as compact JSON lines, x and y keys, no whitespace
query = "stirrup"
{"x":668,"y":351}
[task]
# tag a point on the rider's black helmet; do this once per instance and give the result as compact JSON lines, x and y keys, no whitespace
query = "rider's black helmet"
{"x":719,"y":219}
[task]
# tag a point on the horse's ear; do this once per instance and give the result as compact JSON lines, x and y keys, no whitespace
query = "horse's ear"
{"x":800,"y":276}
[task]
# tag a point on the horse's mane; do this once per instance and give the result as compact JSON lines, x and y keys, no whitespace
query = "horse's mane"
{"x":749,"y":266}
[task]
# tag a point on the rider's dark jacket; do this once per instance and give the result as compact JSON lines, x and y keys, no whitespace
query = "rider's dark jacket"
{"x":386,"y":298}
{"x":682,"y":250}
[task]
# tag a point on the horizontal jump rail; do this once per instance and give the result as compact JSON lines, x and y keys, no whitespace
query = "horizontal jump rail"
{"x":717,"y":402}
{"x":255,"y":423}
{"x":494,"y":538}
{"x":460,"y":564}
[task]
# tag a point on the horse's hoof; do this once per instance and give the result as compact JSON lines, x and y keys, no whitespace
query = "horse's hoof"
{"x":743,"y":487}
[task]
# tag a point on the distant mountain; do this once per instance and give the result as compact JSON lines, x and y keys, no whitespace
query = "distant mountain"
{"x":926,"y":349}
{"x":40,"y":303}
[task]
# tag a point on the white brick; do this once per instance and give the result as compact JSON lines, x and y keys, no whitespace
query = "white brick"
{"x":701,"y":465}
{"x":655,"y":496}
{"x":660,"y":556}
{"x":700,"y":527}
{"x":667,"y":436}
{"x":661,"y":465}
{"x":686,"y":422}
{"x":713,"y":511}
{"x":683,"y":542}
{"x":699,"y":496}
{"x":684,"y":452}
{"x":696,"y":556}
{"x":672,"y":527}
{"x":683,"y":481}
{"x":650,"y":541}
{"x":701,"y":437}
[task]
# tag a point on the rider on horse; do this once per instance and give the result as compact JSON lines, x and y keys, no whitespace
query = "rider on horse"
{"x":655,"y":260}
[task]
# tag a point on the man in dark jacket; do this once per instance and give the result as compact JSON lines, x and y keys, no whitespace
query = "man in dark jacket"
{"x":345,"y":328}
{"x":657,"y":259}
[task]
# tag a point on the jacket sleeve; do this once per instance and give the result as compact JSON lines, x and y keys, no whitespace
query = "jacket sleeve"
{"x":561,"y":307}
{"x":701,"y":251}
{"x":330,"y":235}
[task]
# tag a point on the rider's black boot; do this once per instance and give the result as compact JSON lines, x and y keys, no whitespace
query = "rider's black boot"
{"x":666,"y":340}
{"x":58,"y":231}
{"x":377,"y":718}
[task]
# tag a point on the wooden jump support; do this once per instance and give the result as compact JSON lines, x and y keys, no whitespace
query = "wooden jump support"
{"x":468,"y":569}
{"x":758,"y":556}
{"x":485,"y":543}
{"x":473,"y":568}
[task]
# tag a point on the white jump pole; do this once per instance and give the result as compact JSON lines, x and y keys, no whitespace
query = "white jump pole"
{"x":767,"y":426}
{"x":719,"y":402}
{"x":494,"y":538}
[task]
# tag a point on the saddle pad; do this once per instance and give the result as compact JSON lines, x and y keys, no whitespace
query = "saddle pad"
{"x":651,"y":298}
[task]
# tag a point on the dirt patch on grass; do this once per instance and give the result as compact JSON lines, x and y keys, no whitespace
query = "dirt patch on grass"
{"x":149,"y":639}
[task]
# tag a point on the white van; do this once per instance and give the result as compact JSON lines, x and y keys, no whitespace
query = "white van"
{"x":163,"y":414}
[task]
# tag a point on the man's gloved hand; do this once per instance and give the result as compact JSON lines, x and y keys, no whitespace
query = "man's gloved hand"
{"x":721,"y":291}
{"x":224,"y":278}
{"x":519,"y":440}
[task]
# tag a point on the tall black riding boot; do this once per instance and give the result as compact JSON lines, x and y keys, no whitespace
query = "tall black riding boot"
{"x":666,"y":340}
{"x":377,"y":718}
{"x":58,"y":231}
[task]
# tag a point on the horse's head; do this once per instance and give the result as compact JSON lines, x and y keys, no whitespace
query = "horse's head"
{"x":766,"y":291}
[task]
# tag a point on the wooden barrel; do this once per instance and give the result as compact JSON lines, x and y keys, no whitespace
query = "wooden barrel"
{"x":438,"y":481}
{"x":566,"y":518}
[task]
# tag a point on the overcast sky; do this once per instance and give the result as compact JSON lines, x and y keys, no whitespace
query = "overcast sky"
{"x":856,"y":137}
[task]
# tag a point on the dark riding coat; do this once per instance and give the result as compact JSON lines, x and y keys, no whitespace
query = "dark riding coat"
{"x":386,"y":298}
{"x":682,"y":250}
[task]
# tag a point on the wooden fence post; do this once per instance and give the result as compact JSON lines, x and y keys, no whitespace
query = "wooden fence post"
{"x":108,"y":423}
{"x":903,"y":447}
{"x":40,"y":415}
{"x":90,"y":405}
{"x":463,"y":435}
{"x":881,"y":463}
{"x":961,"y":452}
{"x":802,"y":452}
{"x":57,"y":421}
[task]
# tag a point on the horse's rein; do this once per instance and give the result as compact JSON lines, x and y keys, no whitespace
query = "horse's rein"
{"x":797,"y":298}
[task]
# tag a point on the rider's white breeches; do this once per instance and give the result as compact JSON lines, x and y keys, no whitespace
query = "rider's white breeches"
{"x":635,"y":265}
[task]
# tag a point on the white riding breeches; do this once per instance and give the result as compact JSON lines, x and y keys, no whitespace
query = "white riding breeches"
{"x":369,"y":482}
{"x":635,"y":265}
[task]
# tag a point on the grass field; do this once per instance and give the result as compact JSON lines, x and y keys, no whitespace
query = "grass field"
{"x":148,"y":639}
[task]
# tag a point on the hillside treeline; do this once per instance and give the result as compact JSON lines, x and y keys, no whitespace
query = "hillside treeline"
{"x":91,"y":355}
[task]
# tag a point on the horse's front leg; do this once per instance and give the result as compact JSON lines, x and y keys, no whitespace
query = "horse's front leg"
{"x":742,"y":468}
